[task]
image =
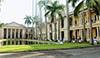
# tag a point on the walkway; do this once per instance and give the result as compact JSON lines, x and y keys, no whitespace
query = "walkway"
{"x":70,"y":53}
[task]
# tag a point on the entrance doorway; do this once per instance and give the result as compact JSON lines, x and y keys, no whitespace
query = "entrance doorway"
{"x":62,"y":34}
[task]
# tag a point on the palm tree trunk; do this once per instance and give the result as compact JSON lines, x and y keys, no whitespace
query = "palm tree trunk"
{"x":33,"y":31}
{"x":59,"y":29}
{"x":41,"y":24}
{"x":84,"y":39}
{"x":46,"y":26}
{"x":36,"y":31}
{"x":90,"y":26}
{"x":46,"y":22}
{"x":28,"y":34}
{"x":55,"y":32}
{"x":51,"y":31}
{"x":68,"y":22}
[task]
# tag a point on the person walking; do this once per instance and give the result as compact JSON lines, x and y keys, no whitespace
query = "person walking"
{"x":95,"y":41}
{"x":79,"y":39}
{"x":73,"y":39}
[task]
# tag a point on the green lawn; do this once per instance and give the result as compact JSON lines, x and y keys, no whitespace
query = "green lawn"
{"x":13,"y":48}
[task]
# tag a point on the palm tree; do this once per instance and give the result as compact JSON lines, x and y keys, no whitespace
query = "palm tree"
{"x":68,"y":21}
{"x":91,"y":5}
{"x":28,"y":22}
{"x":41,"y":4}
{"x":33,"y":21}
{"x":37,"y":21}
{"x":55,"y":9}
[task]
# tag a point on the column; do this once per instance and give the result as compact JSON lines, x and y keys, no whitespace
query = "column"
{"x":19,"y":33}
{"x":87,"y":33}
{"x":6,"y":33}
{"x":23,"y":42}
{"x":23,"y":33}
{"x":6,"y":36}
{"x":81,"y":34}
{"x":97,"y":32}
{"x":19,"y":37}
{"x":15,"y":34}
{"x":15,"y":37}
{"x":73,"y":20}
{"x":74,"y":33}
{"x":10,"y":36}
{"x":10,"y":33}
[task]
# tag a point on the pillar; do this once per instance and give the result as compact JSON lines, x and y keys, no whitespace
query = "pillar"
{"x":10,"y":36}
{"x":15,"y":34}
{"x":81,"y":34}
{"x":1,"y":33}
{"x":97,"y":32}
{"x":6,"y":36}
{"x":19,"y":37}
{"x":87,"y":33}
{"x":74,"y":33}
{"x":6,"y":33}
{"x":19,"y":34}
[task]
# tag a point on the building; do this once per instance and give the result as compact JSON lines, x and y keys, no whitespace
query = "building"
{"x":76,"y":26}
{"x":15,"y":30}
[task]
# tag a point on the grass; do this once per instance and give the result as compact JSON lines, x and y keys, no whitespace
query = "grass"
{"x":16,"y":48}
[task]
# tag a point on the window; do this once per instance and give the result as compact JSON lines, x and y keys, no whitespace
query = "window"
{"x":26,"y":30}
{"x":95,"y":18}
{"x":75,"y":22}
{"x":31,"y":30}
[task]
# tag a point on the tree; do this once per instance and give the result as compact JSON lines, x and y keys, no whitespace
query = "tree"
{"x":41,"y":4}
{"x":2,"y":25}
{"x":33,"y":21}
{"x":54,"y":9}
{"x":28,"y":22}
{"x":37,"y":21}
{"x":91,"y":5}
{"x":68,"y":21}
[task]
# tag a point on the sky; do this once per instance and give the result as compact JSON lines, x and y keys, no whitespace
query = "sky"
{"x":15,"y":10}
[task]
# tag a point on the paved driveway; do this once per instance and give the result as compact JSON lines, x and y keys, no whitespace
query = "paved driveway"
{"x":70,"y":53}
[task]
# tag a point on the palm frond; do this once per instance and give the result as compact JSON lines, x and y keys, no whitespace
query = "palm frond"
{"x":77,"y":8}
{"x":60,"y":7}
{"x":74,"y":2}
{"x":60,"y":15}
{"x":47,"y":13}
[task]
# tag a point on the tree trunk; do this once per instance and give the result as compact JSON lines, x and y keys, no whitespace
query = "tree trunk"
{"x":90,"y":26}
{"x":36,"y":31}
{"x":32,"y":32}
{"x":59,"y":29}
{"x":46,"y":22}
{"x":55,"y":32}
{"x":46,"y":26}
{"x":51,"y":31}
{"x":41,"y":25}
{"x":84,"y":39}
{"x":68,"y":22}
{"x":28,"y":34}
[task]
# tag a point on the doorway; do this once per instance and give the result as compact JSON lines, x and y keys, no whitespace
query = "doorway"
{"x":62,"y":34}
